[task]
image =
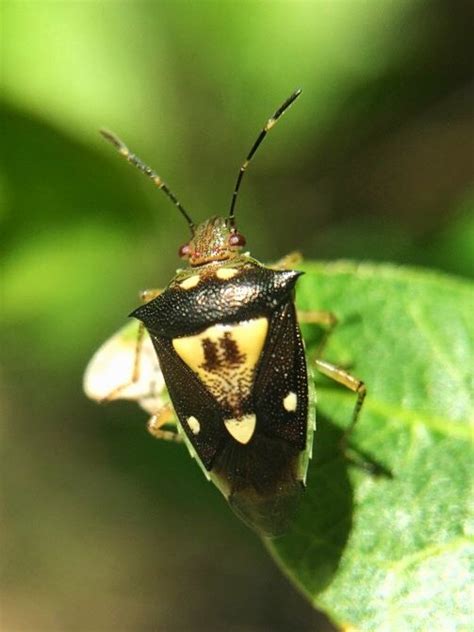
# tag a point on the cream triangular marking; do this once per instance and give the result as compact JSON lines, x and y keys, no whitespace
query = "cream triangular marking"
{"x":241,"y":429}
{"x":224,"y":357}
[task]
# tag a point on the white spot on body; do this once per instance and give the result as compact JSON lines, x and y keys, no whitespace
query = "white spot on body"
{"x":194,"y":425}
{"x":190,"y":282}
{"x":241,"y":429}
{"x":226,"y":273}
{"x":290,"y":402}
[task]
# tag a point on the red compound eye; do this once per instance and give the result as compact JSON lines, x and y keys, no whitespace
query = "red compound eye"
{"x":184,"y":251}
{"x":237,"y":239}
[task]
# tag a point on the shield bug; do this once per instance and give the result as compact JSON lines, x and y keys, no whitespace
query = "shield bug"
{"x":229,"y":350}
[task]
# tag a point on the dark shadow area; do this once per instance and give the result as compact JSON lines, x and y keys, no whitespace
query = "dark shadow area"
{"x":324,"y":520}
{"x":98,"y":512}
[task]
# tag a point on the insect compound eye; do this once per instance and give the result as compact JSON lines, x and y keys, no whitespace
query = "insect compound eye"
{"x":184,"y":251}
{"x":237,"y":239}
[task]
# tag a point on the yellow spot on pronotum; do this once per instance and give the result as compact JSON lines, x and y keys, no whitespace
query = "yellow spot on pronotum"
{"x":190,"y":282}
{"x":241,"y":429}
{"x":226,"y":273}
{"x":290,"y":402}
{"x":194,"y":425}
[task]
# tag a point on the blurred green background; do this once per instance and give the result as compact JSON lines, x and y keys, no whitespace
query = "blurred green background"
{"x":105,"y":528}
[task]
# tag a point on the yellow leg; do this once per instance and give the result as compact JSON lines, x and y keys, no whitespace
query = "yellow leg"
{"x":317,"y":317}
{"x":322,"y":318}
{"x":357,"y":386}
{"x":135,"y":375}
{"x":349,"y":381}
{"x":288,"y":262}
{"x":356,"y":456}
{"x":145,"y":296}
{"x":329,"y":320}
{"x":160,"y":419}
{"x":148,"y":295}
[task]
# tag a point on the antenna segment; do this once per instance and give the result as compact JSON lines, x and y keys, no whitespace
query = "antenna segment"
{"x":139,"y":164}
{"x":268,"y":126}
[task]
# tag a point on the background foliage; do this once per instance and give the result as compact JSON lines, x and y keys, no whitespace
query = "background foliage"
{"x":105,"y":527}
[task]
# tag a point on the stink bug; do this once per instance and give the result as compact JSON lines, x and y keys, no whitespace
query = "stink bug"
{"x":230,"y":352}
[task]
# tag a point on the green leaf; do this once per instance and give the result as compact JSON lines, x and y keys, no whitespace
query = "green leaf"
{"x":377,"y":553}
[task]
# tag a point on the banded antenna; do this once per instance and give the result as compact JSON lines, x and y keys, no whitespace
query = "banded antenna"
{"x":139,"y":164}
{"x":268,"y":126}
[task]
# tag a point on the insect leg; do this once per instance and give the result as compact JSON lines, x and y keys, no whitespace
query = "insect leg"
{"x":148,"y":295}
{"x":319,"y":317}
{"x":356,"y":456}
{"x":158,"y":420}
{"x":145,"y":296}
{"x":311,"y":317}
{"x":288,"y":262}
{"x":349,"y":381}
{"x":135,"y":375}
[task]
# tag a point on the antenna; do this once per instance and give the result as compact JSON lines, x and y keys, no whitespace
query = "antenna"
{"x":268,"y":126}
{"x":139,"y":164}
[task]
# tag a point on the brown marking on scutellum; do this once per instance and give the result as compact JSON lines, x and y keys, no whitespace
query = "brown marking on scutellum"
{"x":227,"y":355}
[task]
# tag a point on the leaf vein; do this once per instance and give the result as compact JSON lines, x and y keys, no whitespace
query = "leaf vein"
{"x":431,"y":550}
{"x":424,"y":330}
{"x":459,"y":429}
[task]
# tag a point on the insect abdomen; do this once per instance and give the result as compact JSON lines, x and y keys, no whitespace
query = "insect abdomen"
{"x":261,"y":482}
